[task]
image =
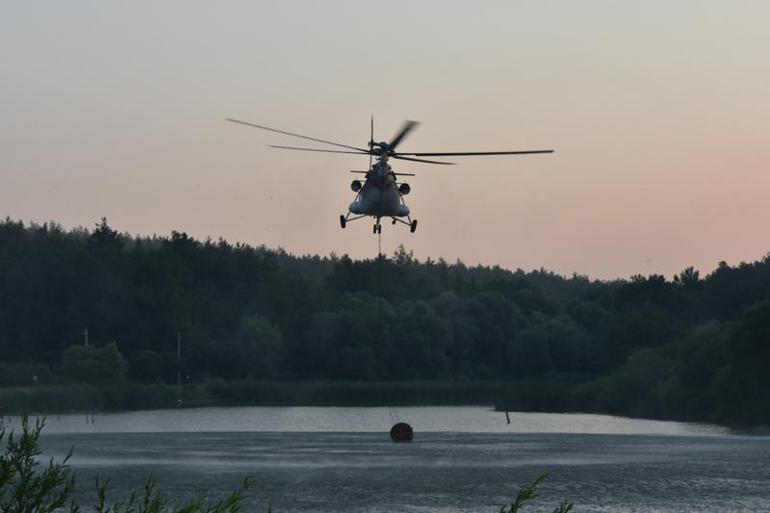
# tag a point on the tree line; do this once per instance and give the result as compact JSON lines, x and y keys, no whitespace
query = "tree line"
{"x":689,"y":347}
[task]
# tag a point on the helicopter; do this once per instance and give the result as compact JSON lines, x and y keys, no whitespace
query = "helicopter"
{"x":381,"y":195}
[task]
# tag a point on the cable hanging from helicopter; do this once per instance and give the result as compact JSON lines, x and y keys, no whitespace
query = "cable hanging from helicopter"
{"x":380,"y":195}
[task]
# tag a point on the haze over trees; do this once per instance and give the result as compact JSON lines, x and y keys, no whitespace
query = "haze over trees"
{"x":690,"y":347}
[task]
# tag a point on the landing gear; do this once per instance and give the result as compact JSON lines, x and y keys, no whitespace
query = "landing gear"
{"x":344,"y":219}
{"x":412,"y":224}
{"x":377,"y":227}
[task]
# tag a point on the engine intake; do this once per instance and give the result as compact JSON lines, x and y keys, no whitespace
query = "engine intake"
{"x":355,"y":185}
{"x":404,"y":189}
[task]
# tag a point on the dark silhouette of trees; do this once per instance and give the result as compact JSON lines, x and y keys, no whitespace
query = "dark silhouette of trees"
{"x":691,"y":347}
{"x":94,"y":365}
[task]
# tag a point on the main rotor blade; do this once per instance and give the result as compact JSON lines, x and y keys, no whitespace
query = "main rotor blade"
{"x":293,"y":134}
{"x":311,"y":149}
{"x":423,"y":160}
{"x":407,"y":127}
{"x":371,"y":142}
{"x":475,"y":153}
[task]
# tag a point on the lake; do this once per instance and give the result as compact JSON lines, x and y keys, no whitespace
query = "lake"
{"x":463,"y":459}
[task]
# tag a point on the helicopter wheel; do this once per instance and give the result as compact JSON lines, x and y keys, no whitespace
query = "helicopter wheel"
{"x":413,"y":226}
{"x":379,"y":228}
{"x":374,"y":229}
{"x":343,"y":221}
{"x":394,"y":221}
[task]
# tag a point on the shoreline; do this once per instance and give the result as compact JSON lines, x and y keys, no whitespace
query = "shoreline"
{"x":499,"y":396}
{"x":71,"y":398}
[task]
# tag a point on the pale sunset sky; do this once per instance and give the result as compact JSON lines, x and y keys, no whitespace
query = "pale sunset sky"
{"x":658,"y":111}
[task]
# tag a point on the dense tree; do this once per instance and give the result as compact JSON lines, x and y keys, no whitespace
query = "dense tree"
{"x":419,"y":342}
{"x":259,"y":345}
{"x":692,"y":347}
{"x":147,"y":366}
{"x":529,"y":353}
{"x":95,"y":365}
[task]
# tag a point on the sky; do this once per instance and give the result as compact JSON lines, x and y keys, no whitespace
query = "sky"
{"x":658,"y":112}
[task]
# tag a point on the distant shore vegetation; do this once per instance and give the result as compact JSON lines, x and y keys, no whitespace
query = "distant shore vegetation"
{"x":260,"y":325}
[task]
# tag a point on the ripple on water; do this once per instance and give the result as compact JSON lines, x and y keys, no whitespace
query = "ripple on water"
{"x":462,"y":460}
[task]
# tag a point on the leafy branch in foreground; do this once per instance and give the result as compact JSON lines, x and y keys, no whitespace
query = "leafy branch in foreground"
{"x":152,"y":500}
{"x":26,"y":488}
{"x":529,"y":492}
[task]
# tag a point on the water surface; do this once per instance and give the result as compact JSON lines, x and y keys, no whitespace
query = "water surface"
{"x":463,"y":459}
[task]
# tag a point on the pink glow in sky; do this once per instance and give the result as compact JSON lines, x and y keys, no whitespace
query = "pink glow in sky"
{"x":659,"y":112}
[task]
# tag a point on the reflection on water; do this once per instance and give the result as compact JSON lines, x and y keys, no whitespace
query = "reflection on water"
{"x":463,"y":459}
{"x":439,"y":419}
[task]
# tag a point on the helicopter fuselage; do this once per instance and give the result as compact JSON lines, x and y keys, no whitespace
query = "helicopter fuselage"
{"x":379,"y":196}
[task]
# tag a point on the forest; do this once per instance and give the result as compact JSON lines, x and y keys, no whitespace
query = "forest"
{"x":689,"y":347}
